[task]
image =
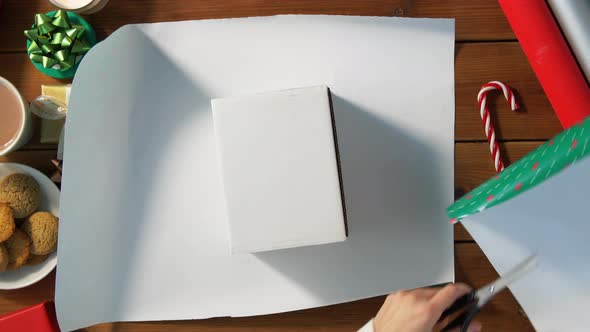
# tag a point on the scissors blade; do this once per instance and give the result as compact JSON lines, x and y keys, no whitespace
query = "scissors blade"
{"x":491,"y":289}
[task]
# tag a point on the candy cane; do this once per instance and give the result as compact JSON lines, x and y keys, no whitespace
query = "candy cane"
{"x":485,"y":117}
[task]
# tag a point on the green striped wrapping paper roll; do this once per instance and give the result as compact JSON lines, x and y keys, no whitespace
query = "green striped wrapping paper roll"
{"x":547,"y":160}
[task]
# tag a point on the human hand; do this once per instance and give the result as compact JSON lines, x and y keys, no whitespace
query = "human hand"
{"x":419,"y":310}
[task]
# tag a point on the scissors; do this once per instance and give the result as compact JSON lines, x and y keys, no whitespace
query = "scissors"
{"x":476,"y":299}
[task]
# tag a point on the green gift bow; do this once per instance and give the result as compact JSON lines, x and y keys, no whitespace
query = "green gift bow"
{"x":55,"y":40}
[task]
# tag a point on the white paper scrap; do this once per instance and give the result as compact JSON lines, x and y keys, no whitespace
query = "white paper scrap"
{"x":143,"y":230}
{"x":552,"y":221}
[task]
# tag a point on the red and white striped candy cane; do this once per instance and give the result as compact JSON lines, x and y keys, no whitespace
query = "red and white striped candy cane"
{"x":487,"y":122}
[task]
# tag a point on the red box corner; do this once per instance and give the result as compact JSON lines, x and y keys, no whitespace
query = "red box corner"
{"x":38,"y":318}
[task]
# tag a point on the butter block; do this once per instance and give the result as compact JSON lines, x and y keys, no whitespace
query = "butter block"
{"x":280,"y":169}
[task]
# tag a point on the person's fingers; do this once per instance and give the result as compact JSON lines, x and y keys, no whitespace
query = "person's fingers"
{"x":390,"y":305}
{"x":475,"y":326}
{"x":446,"y":296}
{"x":425,"y":293}
{"x":441,"y":325}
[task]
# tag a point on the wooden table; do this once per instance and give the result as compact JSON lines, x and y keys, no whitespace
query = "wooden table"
{"x":486,"y":49}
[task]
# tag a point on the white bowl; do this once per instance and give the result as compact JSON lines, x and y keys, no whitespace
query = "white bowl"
{"x":30,"y":274}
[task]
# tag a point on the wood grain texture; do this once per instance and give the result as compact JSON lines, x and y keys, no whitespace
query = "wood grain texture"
{"x":12,"y":300}
{"x":473,"y":166}
{"x":17,"y":68}
{"x":476,"y":64}
{"x":475,"y":20}
{"x":501,"y":314}
{"x":472,"y":267}
{"x":479,"y":63}
{"x":40,"y":160}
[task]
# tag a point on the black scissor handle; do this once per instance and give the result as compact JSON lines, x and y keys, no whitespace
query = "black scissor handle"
{"x":459,"y":304}
{"x":463,"y":320}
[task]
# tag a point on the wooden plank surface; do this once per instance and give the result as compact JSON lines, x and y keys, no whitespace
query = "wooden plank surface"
{"x":473,"y":163}
{"x":40,"y":160}
{"x":479,"y":63}
{"x":17,"y":68}
{"x":476,"y":63}
{"x":475,"y":20}
{"x":487,"y":50}
{"x":473,"y":166}
{"x":472,"y":267}
{"x":12,"y":300}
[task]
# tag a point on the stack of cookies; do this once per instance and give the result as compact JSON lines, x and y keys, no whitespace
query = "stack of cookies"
{"x":27,"y":236}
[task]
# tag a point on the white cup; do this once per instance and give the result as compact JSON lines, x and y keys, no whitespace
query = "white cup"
{"x":25,"y":131}
{"x":80,"y":6}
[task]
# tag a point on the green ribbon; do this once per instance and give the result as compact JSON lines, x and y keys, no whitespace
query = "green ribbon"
{"x":56,"y":41}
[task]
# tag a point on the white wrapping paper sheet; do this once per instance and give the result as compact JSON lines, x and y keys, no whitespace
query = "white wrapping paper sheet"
{"x":573,"y":17}
{"x":143,"y":233}
{"x":551,"y":221}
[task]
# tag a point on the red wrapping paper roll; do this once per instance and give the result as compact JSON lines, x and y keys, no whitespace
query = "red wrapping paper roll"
{"x":550,"y":57}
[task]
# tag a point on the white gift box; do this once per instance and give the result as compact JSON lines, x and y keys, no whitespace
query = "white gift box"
{"x":280,"y":169}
